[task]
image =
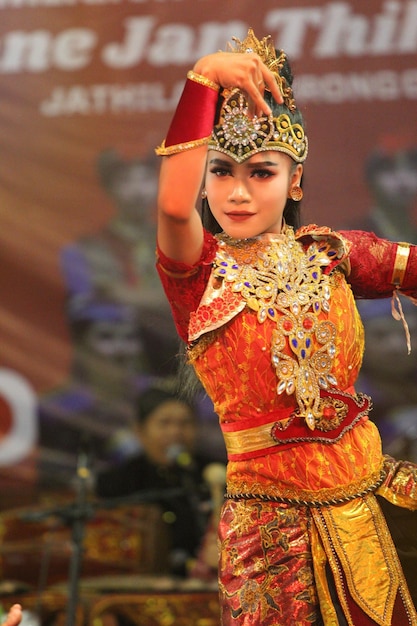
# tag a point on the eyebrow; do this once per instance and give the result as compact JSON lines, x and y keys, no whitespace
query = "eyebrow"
{"x":262,"y":164}
{"x":225,"y":163}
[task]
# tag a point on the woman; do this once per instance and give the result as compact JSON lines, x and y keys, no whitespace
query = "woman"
{"x":274,"y":335}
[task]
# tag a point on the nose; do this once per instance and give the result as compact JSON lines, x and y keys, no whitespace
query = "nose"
{"x":239,"y":193}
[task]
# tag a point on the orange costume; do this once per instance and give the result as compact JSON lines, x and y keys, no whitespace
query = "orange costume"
{"x":275,"y":337}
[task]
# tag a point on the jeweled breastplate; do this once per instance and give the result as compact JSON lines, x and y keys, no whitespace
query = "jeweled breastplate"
{"x":284,"y":283}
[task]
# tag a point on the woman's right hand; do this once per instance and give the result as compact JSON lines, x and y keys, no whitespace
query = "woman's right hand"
{"x":244,"y":70}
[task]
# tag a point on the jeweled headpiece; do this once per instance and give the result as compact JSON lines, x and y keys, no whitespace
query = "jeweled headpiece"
{"x":239,"y":135}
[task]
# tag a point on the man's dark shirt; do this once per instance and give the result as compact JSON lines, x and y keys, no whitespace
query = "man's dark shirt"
{"x":183,"y":511}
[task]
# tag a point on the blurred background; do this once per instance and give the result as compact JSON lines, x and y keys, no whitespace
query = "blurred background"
{"x":87,"y":90}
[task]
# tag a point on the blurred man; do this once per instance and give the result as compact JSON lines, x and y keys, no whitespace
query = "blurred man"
{"x":166,"y":429}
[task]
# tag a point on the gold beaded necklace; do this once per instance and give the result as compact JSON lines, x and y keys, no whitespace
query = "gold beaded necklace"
{"x":284,"y":283}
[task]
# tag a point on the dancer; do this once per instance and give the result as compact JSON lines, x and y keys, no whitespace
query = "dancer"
{"x":267,"y":311}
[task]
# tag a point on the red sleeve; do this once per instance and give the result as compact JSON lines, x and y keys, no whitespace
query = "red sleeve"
{"x":184,"y":284}
{"x":372,"y":263}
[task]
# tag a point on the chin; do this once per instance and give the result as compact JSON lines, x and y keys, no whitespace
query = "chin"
{"x":241,"y":231}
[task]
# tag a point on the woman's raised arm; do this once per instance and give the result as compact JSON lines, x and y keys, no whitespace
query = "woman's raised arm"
{"x":180,"y":233}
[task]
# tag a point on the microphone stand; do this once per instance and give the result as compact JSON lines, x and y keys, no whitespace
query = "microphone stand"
{"x":78,"y":513}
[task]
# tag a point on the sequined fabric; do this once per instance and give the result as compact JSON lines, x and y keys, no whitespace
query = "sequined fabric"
{"x":270,"y":549}
{"x":285,"y":284}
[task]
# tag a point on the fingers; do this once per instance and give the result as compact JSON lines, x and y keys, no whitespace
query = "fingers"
{"x":271,"y":83}
{"x":245,"y":71}
{"x":14,"y":616}
{"x":256,"y":78}
{"x":267,"y":81}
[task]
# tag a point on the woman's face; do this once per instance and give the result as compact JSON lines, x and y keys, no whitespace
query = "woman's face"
{"x":248,"y":199}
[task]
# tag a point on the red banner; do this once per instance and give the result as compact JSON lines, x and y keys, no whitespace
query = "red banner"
{"x":87,"y":89}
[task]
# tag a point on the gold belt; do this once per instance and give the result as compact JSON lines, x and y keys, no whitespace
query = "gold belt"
{"x":340,"y":412}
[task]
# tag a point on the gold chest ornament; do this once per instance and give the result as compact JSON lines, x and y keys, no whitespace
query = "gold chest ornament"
{"x":284,"y":283}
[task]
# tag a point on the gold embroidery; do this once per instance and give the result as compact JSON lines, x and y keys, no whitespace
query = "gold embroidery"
{"x":281,"y":282}
{"x":262,"y":562}
{"x":333,"y":412}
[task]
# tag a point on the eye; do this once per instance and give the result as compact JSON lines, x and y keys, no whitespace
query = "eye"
{"x":262,"y":173}
{"x":220,"y":171}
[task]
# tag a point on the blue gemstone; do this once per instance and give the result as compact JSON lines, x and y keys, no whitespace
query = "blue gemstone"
{"x":288,"y":287}
{"x":331,"y":253}
{"x":294,"y":343}
{"x":271,"y":312}
{"x":247,"y":284}
{"x":224,"y":263}
{"x":303,"y":354}
{"x":312,"y":257}
{"x":235,"y":267}
{"x":222,"y":271}
{"x":315,"y":274}
{"x":308,"y":342}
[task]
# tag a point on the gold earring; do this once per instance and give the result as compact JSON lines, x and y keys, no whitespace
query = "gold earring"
{"x":296,"y":193}
{"x":204,"y":194}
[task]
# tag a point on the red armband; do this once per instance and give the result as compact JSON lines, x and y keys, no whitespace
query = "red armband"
{"x":193,"y":119}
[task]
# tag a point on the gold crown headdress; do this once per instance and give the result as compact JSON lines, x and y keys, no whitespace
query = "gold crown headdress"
{"x":239,"y":135}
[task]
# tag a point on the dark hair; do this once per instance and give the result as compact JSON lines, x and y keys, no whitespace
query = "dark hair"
{"x":292,"y":208}
{"x":153,"y":397}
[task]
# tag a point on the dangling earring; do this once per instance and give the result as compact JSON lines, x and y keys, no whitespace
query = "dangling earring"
{"x":296,"y":193}
{"x":204,"y":194}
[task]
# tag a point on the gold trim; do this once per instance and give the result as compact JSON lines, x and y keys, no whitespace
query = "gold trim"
{"x":202,"y":80}
{"x":346,"y":533}
{"x":327,"y":608}
{"x":181,"y":147}
{"x":400,"y":263}
{"x":306,"y":497}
